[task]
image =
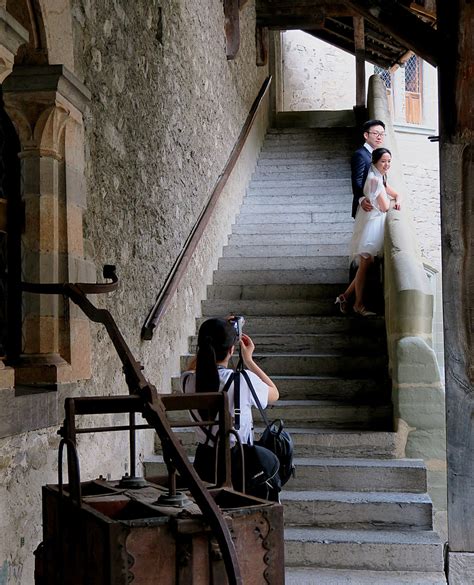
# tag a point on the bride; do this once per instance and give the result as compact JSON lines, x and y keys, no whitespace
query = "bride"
{"x":367,"y":238}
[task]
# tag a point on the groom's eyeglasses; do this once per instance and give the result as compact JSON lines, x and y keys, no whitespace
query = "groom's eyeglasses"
{"x":378,"y":134}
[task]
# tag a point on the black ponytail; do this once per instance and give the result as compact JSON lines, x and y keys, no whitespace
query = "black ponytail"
{"x":215,"y":338}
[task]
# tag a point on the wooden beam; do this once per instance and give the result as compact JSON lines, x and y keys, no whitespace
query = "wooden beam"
{"x":402,"y":25}
{"x":232,"y":28}
{"x":261,"y":41}
{"x":359,"y":46}
{"x":456,"y":97}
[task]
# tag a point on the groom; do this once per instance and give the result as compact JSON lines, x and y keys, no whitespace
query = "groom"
{"x":374,"y":134}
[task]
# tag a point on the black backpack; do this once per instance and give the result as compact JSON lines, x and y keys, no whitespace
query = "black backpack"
{"x":274,"y":438}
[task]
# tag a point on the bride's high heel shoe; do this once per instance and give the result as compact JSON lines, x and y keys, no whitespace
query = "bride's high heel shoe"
{"x":363,"y":312}
{"x":342,"y":302}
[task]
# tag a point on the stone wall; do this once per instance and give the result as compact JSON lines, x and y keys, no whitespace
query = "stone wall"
{"x":312,"y":73}
{"x":166,"y":110}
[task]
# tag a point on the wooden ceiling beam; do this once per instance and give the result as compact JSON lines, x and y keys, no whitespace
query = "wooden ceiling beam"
{"x":402,"y":25}
{"x":371,"y":34}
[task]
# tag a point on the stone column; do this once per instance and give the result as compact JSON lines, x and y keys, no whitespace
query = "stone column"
{"x":398,"y":89}
{"x":46,"y":105}
{"x":12,"y":36}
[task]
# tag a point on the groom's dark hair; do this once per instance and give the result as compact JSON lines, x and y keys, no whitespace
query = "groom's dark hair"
{"x":368,"y":125}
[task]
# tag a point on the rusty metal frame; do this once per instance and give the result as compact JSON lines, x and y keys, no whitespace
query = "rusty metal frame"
{"x":145,"y":399}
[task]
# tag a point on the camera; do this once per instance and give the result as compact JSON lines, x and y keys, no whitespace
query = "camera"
{"x":238,"y":323}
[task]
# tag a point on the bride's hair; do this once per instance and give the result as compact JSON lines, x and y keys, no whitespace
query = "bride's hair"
{"x":378,"y":153}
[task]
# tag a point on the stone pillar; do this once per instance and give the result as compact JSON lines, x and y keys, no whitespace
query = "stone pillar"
{"x":398,"y":81}
{"x":12,"y":36}
{"x":456,"y":87}
{"x":46,"y":105}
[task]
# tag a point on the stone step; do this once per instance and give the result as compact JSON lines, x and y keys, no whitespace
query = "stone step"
{"x":317,"y":119}
{"x":340,"y":443}
{"x":285,"y":250}
{"x":340,"y":187}
{"x":354,"y":391}
{"x":359,"y":475}
{"x":319,"y":414}
{"x":268,"y":307}
{"x":273,"y":291}
{"x":332,"y":198}
{"x":321,"y":364}
{"x":290,"y":217}
{"x":300,"y":183}
{"x":273,"y":208}
{"x":320,"y":171}
{"x":308,"y":324}
{"x":314,"y":414}
{"x":297,"y":163}
{"x":276,"y":152}
{"x":323,"y":131}
{"x":313,"y":576}
{"x":285,"y":276}
{"x":313,"y":442}
{"x":311,"y":343}
{"x":346,"y":510}
{"x":318,"y":139}
{"x":376,"y":550}
{"x":332,"y":264}
{"x":288,"y":229}
{"x":285,"y":239}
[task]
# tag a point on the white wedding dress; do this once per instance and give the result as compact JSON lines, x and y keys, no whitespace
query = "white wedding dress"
{"x":367,"y":238}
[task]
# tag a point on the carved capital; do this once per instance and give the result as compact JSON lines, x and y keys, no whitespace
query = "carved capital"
{"x":40,"y":100}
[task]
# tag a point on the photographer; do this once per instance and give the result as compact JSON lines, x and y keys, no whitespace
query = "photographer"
{"x":209,"y":372}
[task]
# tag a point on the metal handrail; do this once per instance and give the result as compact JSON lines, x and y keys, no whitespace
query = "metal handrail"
{"x":177,"y":271}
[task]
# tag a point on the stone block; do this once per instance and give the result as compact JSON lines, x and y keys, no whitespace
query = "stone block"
{"x":415,"y":363}
{"x":460,"y":568}
{"x":420,"y":407}
{"x":73,"y":241}
{"x":7,"y":377}
{"x":41,"y":334}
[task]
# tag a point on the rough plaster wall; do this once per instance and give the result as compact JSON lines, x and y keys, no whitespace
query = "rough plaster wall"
{"x":310,"y":81}
{"x":421,"y":175}
{"x":166,"y":110}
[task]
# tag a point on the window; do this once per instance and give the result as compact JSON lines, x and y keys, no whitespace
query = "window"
{"x":387,"y":79}
{"x":413,"y":90}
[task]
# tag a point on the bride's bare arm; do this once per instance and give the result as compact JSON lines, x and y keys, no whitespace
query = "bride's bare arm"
{"x":393,"y":195}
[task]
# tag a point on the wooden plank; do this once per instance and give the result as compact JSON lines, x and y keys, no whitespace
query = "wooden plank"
{"x":402,"y":25}
{"x":456,"y":95}
{"x":261,"y":42}
{"x":359,"y":45}
{"x":232,"y":28}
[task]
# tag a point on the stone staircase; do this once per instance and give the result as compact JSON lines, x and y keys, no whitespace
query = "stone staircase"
{"x":354,"y":514}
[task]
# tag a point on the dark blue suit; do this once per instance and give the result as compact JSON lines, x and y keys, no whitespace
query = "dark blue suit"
{"x":360,"y":164}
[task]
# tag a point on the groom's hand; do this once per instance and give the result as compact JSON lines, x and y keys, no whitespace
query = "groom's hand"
{"x":366,"y":205}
